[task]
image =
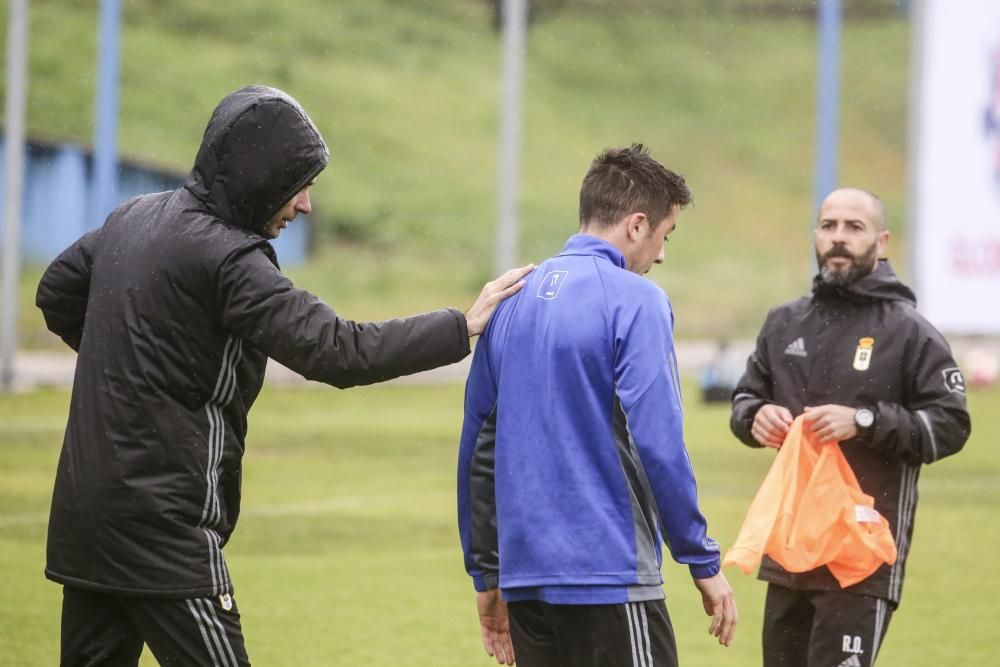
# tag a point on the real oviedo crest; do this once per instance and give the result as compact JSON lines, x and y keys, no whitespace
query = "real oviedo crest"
{"x":863,"y":354}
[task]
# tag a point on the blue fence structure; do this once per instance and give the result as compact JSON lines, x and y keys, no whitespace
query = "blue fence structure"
{"x":58,"y":187}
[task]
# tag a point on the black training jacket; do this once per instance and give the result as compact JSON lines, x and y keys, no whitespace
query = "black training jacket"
{"x":862,"y":346}
{"x":174,"y":306}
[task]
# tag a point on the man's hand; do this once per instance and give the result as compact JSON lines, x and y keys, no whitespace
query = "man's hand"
{"x":495,"y":625}
{"x":720,"y":604}
{"x":831,"y":423}
{"x":493,"y":293}
{"x":771,"y":424}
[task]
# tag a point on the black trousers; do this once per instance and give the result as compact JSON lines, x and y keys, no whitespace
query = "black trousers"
{"x":823,"y":628}
{"x":110,"y":631}
{"x":635,"y":634}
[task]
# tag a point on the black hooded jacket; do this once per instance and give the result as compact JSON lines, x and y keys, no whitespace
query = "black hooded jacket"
{"x":174,"y":306}
{"x":862,"y":346}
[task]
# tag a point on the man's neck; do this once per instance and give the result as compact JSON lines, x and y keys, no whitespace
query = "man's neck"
{"x":612,"y":235}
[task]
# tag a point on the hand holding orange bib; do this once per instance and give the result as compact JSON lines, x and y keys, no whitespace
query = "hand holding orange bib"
{"x":810,"y":511}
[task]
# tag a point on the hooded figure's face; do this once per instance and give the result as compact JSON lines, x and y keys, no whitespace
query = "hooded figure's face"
{"x":298,"y":204}
{"x":259,"y":154}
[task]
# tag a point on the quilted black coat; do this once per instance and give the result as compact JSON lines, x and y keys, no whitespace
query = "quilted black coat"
{"x":174,"y":306}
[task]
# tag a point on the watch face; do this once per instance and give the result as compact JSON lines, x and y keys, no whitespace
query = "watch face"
{"x":864,"y":418}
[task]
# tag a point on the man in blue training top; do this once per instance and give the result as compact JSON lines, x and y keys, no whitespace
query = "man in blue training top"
{"x":572,"y":468}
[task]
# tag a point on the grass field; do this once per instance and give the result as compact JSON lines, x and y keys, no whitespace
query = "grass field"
{"x":347,"y":553}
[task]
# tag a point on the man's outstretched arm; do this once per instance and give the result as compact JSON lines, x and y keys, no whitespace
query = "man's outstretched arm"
{"x":300,"y":331}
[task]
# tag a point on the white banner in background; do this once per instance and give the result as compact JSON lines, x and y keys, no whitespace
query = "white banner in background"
{"x":955,"y":197}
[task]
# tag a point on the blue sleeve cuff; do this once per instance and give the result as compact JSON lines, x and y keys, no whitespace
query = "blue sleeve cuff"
{"x":705,"y":571}
{"x":486,"y":582}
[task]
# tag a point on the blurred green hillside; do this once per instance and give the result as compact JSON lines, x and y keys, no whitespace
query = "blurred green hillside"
{"x":406,"y":95}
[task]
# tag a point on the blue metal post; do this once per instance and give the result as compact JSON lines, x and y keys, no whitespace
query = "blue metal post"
{"x":827,"y":98}
{"x":106,"y":114}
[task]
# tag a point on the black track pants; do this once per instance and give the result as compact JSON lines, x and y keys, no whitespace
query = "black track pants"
{"x":110,"y":631}
{"x":635,"y":634}
{"x":822,"y":628}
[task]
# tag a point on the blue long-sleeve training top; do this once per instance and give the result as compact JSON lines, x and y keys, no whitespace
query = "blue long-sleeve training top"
{"x":572,"y":466}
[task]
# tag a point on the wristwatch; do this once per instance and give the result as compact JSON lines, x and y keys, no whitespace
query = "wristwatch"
{"x":864,"y":419}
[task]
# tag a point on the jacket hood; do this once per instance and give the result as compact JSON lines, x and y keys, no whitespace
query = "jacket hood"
{"x":880,"y":284}
{"x":259,"y":149}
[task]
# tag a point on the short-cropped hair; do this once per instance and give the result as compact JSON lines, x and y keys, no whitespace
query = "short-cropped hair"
{"x":622,"y":181}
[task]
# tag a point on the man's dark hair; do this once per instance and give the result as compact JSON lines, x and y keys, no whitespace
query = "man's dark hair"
{"x":622,"y":181}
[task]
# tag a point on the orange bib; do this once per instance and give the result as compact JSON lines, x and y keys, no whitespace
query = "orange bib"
{"x":810,"y":511}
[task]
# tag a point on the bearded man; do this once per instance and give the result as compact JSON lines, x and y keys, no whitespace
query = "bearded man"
{"x":870,"y":373}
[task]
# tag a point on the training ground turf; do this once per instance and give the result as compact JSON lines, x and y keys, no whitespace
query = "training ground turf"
{"x":347,"y":552}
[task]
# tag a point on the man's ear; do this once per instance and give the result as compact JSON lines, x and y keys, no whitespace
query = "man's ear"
{"x":634,"y":222}
{"x":883,"y":242}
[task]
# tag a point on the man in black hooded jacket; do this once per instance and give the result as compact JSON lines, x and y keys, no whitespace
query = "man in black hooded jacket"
{"x":867,"y":371}
{"x":174,"y":306}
